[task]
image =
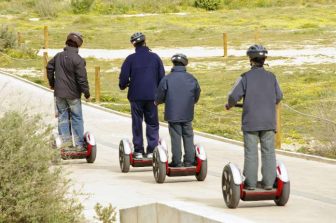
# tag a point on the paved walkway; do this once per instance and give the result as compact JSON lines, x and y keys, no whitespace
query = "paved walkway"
{"x":313,"y":194}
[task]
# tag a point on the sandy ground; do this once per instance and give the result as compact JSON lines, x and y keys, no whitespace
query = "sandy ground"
{"x":300,"y":56}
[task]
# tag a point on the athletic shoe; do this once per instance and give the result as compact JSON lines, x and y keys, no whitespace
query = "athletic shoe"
{"x":249,"y":188}
{"x":186,"y":164}
{"x":149,"y":155}
{"x":137,"y":155}
{"x":172,"y":164}
{"x":268,"y":187}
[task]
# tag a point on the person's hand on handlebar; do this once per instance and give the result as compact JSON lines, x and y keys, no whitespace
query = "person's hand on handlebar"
{"x":227,"y":106}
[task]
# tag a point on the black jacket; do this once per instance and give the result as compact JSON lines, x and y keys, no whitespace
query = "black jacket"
{"x":67,"y":74}
{"x":141,"y":72}
{"x":261,"y":92}
{"x":179,"y":91}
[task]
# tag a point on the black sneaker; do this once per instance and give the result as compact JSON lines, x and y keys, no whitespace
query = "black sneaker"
{"x":249,"y":187}
{"x":187,"y":164}
{"x":268,"y":187}
{"x":172,"y":164}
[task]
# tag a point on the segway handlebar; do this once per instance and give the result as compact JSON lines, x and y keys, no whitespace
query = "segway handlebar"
{"x":239,"y":105}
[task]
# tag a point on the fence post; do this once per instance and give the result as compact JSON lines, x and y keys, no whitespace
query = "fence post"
{"x":45,"y":63}
{"x":256,"y":35}
{"x":19,"y":38}
{"x":278,"y":129}
{"x":225,"y":38}
{"x":46,"y":37}
{"x":97,"y":83}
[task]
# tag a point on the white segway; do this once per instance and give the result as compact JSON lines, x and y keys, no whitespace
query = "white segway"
{"x":161,"y":168}
{"x":126,"y":158}
{"x":233,"y":187}
{"x":69,"y":152}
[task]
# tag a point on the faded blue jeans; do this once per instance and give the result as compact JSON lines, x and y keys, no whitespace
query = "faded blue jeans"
{"x":74,"y":106}
{"x":268,"y":167}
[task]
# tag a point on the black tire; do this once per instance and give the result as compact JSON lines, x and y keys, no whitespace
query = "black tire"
{"x":124,"y":160}
{"x":204,"y":170}
{"x":159,"y":168}
{"x":231,"y":191}
{"x":283,"y":199}
{"x":93,"y":154}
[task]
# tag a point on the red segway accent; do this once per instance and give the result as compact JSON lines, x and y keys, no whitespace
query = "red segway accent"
{"x":142,"y":162}
{"x":181,"y":171}
{"x":258,"y":194}
{"x":199,"y":164}
{"x":279,"y":188}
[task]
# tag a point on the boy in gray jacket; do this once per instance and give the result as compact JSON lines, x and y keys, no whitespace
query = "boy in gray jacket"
{"x":179,"y":91}
{"x":261,"y":92}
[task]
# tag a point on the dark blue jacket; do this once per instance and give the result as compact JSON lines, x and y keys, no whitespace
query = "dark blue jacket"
{"x":179,"y":91}
{"x":261,"y":92}
{"x":141,"y":72}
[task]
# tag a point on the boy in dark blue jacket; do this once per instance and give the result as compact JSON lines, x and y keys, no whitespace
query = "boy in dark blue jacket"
{"x":141,"y":72}
{"x":179,"y":91}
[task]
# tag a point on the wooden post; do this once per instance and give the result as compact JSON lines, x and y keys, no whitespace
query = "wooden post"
{"x":256,"y":36}
{"x":19,"y":38}
{"x":46,"y":40}
{"x":225,"y":44}
{"x":45,"y":63}
{"x":97,"y":83}
{"x":278,"y":130}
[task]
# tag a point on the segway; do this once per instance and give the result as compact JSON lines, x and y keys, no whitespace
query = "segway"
{"x":233,"y":187}
{"x":161,"y":168}
{"x":126,"y":158}
{"x":69,"y":152}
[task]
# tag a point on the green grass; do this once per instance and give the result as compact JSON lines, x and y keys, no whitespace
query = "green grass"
{"x":305,"y":87}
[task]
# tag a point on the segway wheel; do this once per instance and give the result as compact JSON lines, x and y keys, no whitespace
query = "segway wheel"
{"x":124,"y":160}
{"x":231,"y":191}
{"x":282,"y":200}
{"x":203,"y":172}
{"x":93,"y":154}
{"x":159,"y":168}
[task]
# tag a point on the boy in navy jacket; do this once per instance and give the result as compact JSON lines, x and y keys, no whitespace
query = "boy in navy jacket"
{"x":179,"y":91}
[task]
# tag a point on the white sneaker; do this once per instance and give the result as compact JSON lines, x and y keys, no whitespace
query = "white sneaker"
{"x":137,"y":155}
{"x":150,"y":155}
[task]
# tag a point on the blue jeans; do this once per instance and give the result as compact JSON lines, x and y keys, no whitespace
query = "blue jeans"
{"x":268,"y":167}
{"x":73,"y":107}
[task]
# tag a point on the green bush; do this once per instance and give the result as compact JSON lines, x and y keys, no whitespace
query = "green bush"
{"x":106,"y":214}
{"x":30,"y":189}
{"x":47,"y":8}
{"x":81,"y":6}
{"x":7,"y":38}
{"x":207,"y":4}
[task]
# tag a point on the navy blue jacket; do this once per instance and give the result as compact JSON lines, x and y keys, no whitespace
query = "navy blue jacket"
{"x":179,"y":91}
{"x":261,"y":92}
{"x":141,"y":72}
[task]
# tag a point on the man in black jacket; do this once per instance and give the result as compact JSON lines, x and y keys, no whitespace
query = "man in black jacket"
{"x":180,"y":91}
{"x":141,"y":72}
{"x":68,"y":78}
{"x":261,"y":92}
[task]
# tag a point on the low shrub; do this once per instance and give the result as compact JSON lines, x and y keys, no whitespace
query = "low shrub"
{"x":31,"y":190}
{"x":208,"y":4}
{"x":81,"y":6}
{"x":7,"y":38}
{"x":47,"y":8}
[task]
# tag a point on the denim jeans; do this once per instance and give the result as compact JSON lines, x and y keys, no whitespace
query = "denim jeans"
{"x":268,"y":168}
{"x":73,"y":107}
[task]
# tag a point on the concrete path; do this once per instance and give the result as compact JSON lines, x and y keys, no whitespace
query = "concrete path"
{"x":313,"y":194}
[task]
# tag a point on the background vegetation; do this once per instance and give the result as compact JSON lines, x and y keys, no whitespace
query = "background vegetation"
{"x":30,"y":189}
{"x":282,"y":25}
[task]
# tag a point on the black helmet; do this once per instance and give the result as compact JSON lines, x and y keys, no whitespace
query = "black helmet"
{"x":137,"y":38}
{"x":256,"y":51}
{"x":179,"y":57}
{"x":75,"y":37}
